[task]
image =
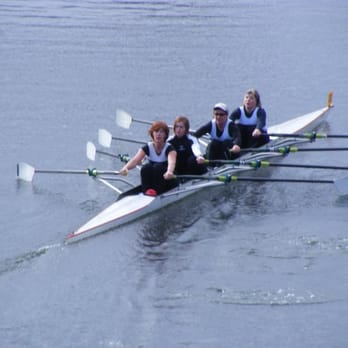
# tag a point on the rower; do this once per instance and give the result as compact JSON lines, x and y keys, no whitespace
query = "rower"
{"x":225,"y":135}
{"x":187,"y":148}
{"x":157,"y":175}
{"x":251,"y":120}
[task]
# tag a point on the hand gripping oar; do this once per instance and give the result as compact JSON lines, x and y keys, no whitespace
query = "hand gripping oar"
{"x":105,"y":138}
{"x":26,"y":172}
{"x":258,"y":164}
{"x":312,"y":136}
{"x":289,"y":149}
{"x":340,"y":184}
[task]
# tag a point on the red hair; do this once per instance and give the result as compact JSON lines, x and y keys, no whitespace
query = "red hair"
{"x":156,"y":126}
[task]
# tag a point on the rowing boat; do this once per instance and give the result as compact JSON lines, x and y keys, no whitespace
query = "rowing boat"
{"x":133,"y":204}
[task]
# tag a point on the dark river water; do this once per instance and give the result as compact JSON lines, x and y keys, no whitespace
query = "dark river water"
{"x":248,"y":265}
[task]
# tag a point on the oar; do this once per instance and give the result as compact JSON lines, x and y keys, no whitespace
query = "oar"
{"x":105,"y":138}
{"x":26,"y":172}
{"x":311,"y":136}
{"x":288,"y":149}
{"x":124,"y":120}
{"x":91,"y":152}
{"x":340,"y":184}
{"x":259,"y":164}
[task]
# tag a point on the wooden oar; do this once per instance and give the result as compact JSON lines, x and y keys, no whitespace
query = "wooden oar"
{"x":340,"y":184}
{"x":288,"y":149}
{"x":258,"y":164}
{"x":310,"y":136}
{"x":26,"y":172}
{"x":105,"y":138}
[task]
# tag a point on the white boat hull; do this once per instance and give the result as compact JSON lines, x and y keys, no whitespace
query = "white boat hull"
{"x":131,"y":207}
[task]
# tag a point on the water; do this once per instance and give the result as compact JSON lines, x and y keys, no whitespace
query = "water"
{"x":259,"y":265}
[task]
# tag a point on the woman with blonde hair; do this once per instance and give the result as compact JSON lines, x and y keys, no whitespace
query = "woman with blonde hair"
{"x":251,"y":120}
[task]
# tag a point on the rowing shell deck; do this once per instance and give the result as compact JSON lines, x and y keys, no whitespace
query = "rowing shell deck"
{"x":131,"y":206}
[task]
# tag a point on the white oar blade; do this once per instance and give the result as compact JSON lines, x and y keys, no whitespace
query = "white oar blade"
{"x":123,"y":119}
{"x":342,"y":185}
{"x":25,"y":171}
{"x":90,"y":151}
{"x":104,"y":137}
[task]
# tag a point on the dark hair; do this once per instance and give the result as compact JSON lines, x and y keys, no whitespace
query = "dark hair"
{"x":184,"y":120}
{"x":157,"y":126}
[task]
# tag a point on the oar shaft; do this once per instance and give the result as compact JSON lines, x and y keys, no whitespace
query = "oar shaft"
{"x":323,"y":149}
{"x":312,"y":166}
{"x":336,"y":136}
{"x":26,"y":172}
{"x":310,"y":181}
{"x":90,"y":172}
{"x":310,"y":136}
{"x":61,"y":171}
{"x":107,"y":154}
{"x":122,"y":158}
{"x":142,"y":121}
{"x":259,"y":164}
{"x":288,"y":149}
{"x":130,"y":140}
{"x":233,"y":178}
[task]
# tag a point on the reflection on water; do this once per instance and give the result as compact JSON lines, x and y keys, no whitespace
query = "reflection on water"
{"x":215,"y":205}
{"x":342,"y":201}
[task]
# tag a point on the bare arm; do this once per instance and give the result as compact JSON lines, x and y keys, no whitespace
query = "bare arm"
{"x":169,"y":174}
{"x":261,"y":122}
{"x":133,"y":162}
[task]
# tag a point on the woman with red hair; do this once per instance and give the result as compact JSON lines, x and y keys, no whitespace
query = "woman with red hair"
{"x":157,"y":175}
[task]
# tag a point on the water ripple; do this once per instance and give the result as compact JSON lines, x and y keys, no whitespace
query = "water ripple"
{"x":279,"y":297}
{"x":11,"y":264}
{"x":253,"y":297}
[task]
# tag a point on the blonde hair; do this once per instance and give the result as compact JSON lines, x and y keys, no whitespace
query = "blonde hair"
{"x":256,"y":95}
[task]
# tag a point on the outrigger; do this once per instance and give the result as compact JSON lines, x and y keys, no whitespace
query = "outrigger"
{"x":133,"y":204}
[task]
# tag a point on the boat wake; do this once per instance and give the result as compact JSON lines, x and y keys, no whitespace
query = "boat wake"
{"x":278,"y":297}
{"x":13,"y":263}
{"x":256,"y":297}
